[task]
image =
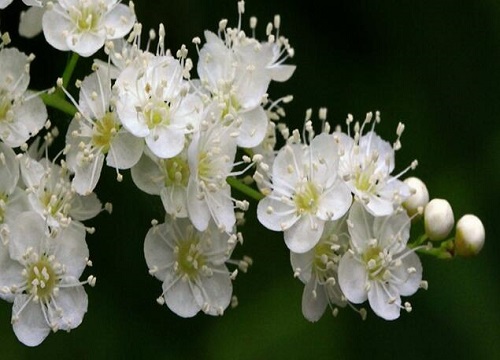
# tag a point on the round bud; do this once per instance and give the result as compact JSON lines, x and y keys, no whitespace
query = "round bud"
{"x":419,"y":197}
{"x":469,"y":236}
{"x":438,"y":219}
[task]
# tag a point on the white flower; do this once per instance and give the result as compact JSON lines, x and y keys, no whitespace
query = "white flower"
{"x":83,"y":26}
{"x":379,"y":266}
{"x":153,"y":104}
{"x":211,"y":157}
{"x":22,"y":113}
{"x":306,"y":192}
{"x":318,"y":268}
{"x":13,"y":199}
{"x":191,"y":265}
{"x":366,"y":165}
{"x":51,"y":195}
{"x":165,"y":177}
{"x":39,"y":274}
{"x":237,"y":85}
{"x":96,"y":134}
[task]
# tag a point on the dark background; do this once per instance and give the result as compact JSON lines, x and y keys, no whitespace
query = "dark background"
{"x":434,"y":66}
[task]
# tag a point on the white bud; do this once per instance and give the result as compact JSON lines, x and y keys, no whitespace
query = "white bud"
{"x":469,"y":236}
{"x":419,"y":197}
{"x":438,"y":219}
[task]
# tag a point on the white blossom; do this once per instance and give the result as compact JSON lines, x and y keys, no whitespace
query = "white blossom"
{"x":154,"y":104}
{"x":191,"y":265}
{"x":22,"y":113}
{"x":83,"y":26}
{"x":39,"y":274}
{"x":96,"y":135}
{"x":379,"y":267}
{"x":51,"y":194}
{"x":211,"y":156}
{"x":306,"y":192}
{"x":366,"y":166}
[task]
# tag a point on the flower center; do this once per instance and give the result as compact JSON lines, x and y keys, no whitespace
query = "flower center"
{"x":156,"y":112}
{"x":86,"y":18}
{"x":375,"y":263}
{"x":176,"y":171}
{"x":104,"y":131}
{"x":5,"y":108}
{"x":306,"y":198}
{"x":41,"y":277}
{"x":189,"y":258}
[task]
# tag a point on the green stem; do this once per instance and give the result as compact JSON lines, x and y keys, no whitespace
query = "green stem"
{"x":245,"y":189}
{"x":70,"y":68}
{"x":57,"y":102}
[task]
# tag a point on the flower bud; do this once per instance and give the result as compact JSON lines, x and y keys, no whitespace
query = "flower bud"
{"x":469,"y":237}
{"x":438,"y":219}
{"x":419,"y":197}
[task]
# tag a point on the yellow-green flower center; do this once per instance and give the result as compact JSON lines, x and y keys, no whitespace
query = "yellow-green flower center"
{"x":176,"y":171}
{"x":86,"y":18}
{"x":306,"y":198}
{"x":5,"y":107}
{"x":156,"y":113}
{"x":104,"y":131}
{"x":189,"y":258}
{"x":41,"y":278}
{"x":374,"y":263}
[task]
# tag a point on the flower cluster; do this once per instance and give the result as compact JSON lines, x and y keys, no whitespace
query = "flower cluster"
{"x":190,"y":131}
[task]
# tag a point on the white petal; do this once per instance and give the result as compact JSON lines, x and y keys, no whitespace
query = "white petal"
{"x":386,"y":303}
{"x":412,"y":279}
{"x":120,"y":20}
{"x":276,"y":215}
{"x":313,"y":306}
{"x":70,"y":249}
{"x":362,"y":226}
{"x":29,"y":230}
{"x":217,"y":290}
{"x":31,"y":328}
{"x":147,"y":176}
{"x":174,"y":200}
{"x":304,"y":234}
{"x":85,"y":207}
{"x":55,"y":27}
{"x":198,"y":210}
{"x":125,"y":151}
{"x":73,"y":302}
{"x":182,"y":297}
{"x":282,"y":72}
{"x":158,"y":249}
{"x":303,"y":262}
{"x":30,"y":22}
{"x":334,"y":202}
{"x":253,"y":128}
{"x":9,"y":170}
{"x":352,"y":278}
{"x":13,"y":76}
{"x":222,"y":208}
{"x":165,"y":141}
{"x":87,"y":175}
{"x":10,"y":272}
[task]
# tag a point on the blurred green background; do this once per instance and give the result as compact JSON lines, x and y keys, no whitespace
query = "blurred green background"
{"x":434,"y":66}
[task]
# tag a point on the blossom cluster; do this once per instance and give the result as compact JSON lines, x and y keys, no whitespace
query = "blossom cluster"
{"x":190,"y":131}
